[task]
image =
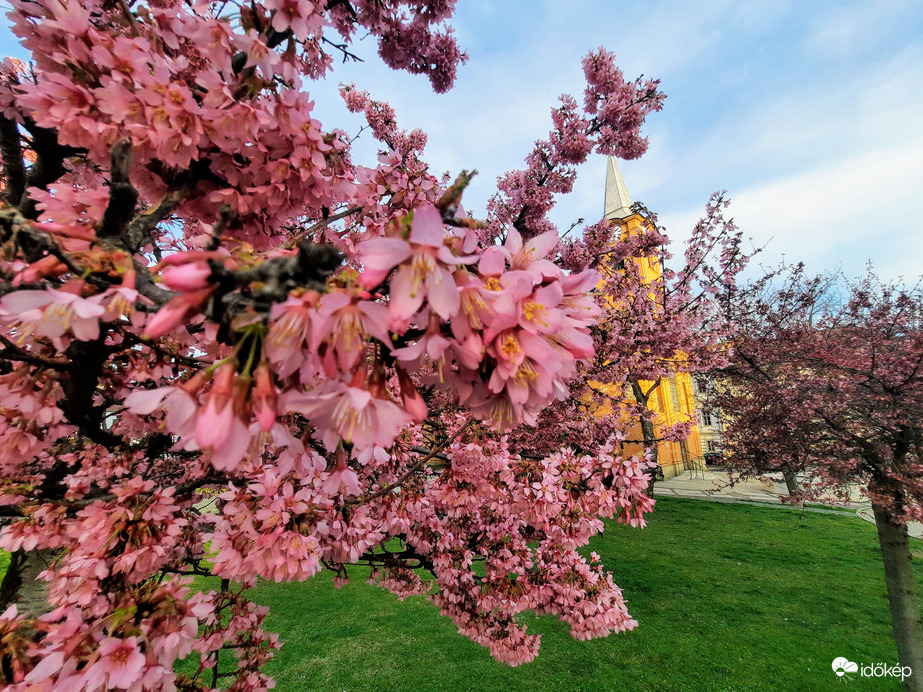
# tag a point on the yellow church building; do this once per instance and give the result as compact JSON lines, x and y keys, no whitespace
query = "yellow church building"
{"x":672,"y":400}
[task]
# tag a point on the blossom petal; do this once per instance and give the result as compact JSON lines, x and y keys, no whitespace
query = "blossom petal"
{"x":427,"y":227}
{"x":443,"y":293}
{"x":380,"y":256}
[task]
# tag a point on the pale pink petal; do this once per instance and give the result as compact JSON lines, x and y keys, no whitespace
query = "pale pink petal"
{"x":427,"y":227}
{"x":447,"y":257}
{"x":377,"y":319}
{"x":228,"y":455}
{"x":513,"y":241}
{"x":545,"y":268}
{"x":86,"y":308}
{"x":410,"y":353}
{"x":358,"y":398}
{"x":550,"y":296}
{"x":193,"y":276}
{"x":406,"y":296}
{"x":145,"y":401}
{"x":331,"y":302}
{"x":493,"y":262}
{"x":379,"y":256}
{"x":21,"y":301}
{"x":181,"y":411}
{"x":85,"y":329}
{"x":582,"y":282}
{"x":443,"y":293}
{"x":48,"y":666}
{"x":539,"y":246}
{"x":214,"y":425}
{"x":168,"y":318}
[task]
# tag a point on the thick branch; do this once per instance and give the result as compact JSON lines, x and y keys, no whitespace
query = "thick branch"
{"x":138,"y":233}
{"x":122,"y":195}
{"x":14,"y":173}
{"x":49,"y":164}
{"x":15,"y":352}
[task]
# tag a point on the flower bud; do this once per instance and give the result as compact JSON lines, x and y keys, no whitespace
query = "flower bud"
{"x":187,"y":277}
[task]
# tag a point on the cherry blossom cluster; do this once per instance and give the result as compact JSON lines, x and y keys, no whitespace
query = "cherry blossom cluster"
{"x":523,"y":521}
{"x":609,"y":124}
{"x":229,"y":352}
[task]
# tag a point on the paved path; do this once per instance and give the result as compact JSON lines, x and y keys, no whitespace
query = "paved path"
{"x":715,"y":487}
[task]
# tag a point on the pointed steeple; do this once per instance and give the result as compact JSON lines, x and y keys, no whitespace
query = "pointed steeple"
{"x":618,"y":203}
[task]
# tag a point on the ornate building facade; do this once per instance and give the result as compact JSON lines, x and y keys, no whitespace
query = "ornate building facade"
{"x":673,"y":399}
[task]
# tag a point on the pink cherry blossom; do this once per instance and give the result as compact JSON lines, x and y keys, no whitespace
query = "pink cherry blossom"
{"x":238,"y":349}
{"x":342,"y":411}
{"x":119,"y":666}
{"x":424,"y":266}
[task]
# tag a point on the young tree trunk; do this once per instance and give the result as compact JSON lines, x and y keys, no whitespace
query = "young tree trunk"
{"x":902,"y":597}
{"x":648,"y":434}
{"x":790,"y":481}
{"x":21,"y":586}
{"x":650,"y":438}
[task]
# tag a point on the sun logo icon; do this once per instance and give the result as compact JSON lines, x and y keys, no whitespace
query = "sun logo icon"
{"x":842,"y":666}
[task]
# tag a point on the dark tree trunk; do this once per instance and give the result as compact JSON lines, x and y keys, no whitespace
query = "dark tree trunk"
{"x":790,"y":481}
{"x":902,"y":596}
{"x":650,"y":437}
{"x":21,"y":586}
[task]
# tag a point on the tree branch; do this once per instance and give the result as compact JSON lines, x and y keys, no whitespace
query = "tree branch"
{"x":14,"y":172}
{"x":416,"y":466}
{"x":15,"y":352}
{"x":122,"y":195}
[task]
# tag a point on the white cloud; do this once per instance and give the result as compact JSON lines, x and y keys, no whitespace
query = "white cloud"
{"x":867,"y":208}
{"x":768,"y":98}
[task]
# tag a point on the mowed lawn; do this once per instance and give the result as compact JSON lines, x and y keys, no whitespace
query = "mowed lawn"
{"x":728,"y":597}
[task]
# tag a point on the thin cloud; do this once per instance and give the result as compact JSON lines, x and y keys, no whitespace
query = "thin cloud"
{"x":767,"y":98}
{"x":866,"y":209}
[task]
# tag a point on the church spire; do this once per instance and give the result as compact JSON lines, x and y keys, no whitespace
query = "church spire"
{"x":618,"y":203}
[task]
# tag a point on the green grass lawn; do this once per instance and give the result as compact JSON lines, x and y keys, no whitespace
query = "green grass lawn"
{"x":728,"y":597}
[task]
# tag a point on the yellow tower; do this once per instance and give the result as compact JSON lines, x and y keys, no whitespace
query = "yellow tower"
{"x":671,"y":399}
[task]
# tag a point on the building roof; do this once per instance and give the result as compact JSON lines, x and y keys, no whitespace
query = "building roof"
{"x":618,"y":203}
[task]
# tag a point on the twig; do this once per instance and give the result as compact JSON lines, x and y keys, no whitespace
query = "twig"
{"x":416,"y":466}
{"x":321,"y":224}
{"x":342,"y":48}
{"x":16,"y":352}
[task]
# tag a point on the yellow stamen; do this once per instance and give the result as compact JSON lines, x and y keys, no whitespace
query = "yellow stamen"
{"x":510,"y":347}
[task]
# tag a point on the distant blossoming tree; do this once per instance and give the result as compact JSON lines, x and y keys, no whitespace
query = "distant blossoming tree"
{"x":652,"y":326}
{"x":229,"y":350}
{"x":827,"y":387}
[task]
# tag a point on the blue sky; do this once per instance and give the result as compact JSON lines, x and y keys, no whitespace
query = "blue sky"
{"x":809,"y":113}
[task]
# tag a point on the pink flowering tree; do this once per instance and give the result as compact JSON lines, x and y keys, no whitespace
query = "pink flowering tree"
{"x":651,"y":328}
{"x":825,"y":383}
{"x":228,"y":349}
